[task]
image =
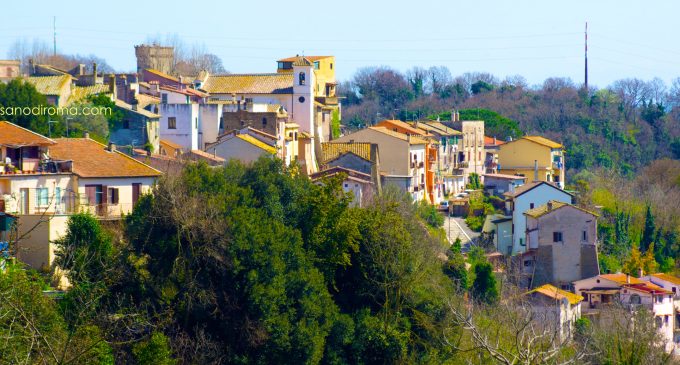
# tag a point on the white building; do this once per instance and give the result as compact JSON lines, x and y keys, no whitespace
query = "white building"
{"x":523,"y":198}
{"x":556,"y":308}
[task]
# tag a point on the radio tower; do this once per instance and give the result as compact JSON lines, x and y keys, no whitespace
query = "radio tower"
{"x":586,"y":84}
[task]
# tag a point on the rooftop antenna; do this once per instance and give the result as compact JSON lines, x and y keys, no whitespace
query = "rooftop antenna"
{"x":54,"y":27}
{"x":586,"y":83}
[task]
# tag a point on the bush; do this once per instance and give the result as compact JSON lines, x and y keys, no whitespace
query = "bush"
{"x":155,"y":350}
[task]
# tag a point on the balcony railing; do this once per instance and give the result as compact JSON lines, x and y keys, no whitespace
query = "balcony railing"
{"x":35,"y":166}
{"x":463,"y":164}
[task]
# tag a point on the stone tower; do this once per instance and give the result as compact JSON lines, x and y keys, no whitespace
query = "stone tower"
{"x":154,"y":56}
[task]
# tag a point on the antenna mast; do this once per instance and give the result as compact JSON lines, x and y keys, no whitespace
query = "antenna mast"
{"x":586,"y":83}
{"x":54,"y":27}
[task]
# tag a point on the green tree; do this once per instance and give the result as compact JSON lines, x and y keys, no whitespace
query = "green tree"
{"x":154,"y":351}
{"x":21,"y":94}
{"x":484,"y":287}
{"x":649,"y":233}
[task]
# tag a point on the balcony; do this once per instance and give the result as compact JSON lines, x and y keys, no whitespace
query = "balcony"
{"x":463,"y":164}
{"x":327,"y":100}
{"x":557,"y":165}
{"x":37,"y":166}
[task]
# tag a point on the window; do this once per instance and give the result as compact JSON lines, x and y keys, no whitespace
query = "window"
{"x":301,"y":99}
{"x":666,"y":319}
{"x":285,"y":65}
{"x":113,"y":196}
{"x":301,"y":78}
{"x":41,"y":197}
{"x":331,"y":66}
{"x":635,"y":299}
{"x":264,"y":122}
{"x":126,"y":124}
{"x":658,"y":299}
{"x":316,"y":65}
{"x":531,"y":205}
{"x":674,"y":290}
{"x":164,"y":98}
{"x":196,"y":122}
{"x":172,"y":123}
{"x":584,"y":236}
{"x":521,"y":241}
{"x":221,"y":122}
{"x":557,"y":236}
{"x":346,"y":185}
{"x":57,"y":195}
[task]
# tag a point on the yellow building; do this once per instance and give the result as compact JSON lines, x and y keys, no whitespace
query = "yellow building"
{"x":535,"y":157}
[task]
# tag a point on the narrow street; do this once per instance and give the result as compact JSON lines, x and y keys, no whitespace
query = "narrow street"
{"x":457,"y":228}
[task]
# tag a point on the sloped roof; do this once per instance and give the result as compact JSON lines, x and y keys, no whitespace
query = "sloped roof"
{"x":12,"y":135}
{"x":553,"y":292}
{"x":335,"y":170}
{"x":621,"y":278}
{"x":162,"y":74}
{"x":436,"y":127}
{"x":529,"y":186}
{"x":93,"y":159}
{"x":256,"y":142}
{"x":401,"y":136}
{"x":80,"y":93}
{"x":144,"y":100}
{"x":398,"y":123}
{"x":490,"y":141}
{"x":121,"y":104}
{"x":667,"y":277}
{"x":332,"y":150}
{"x":274,"y":83}
{"x":49,"y":85}
{"x":311,"y":58}
{"x":543,"y":209}
{"x":542,"y":141}
{"x":647,"y":287}
{"x":505,"y":176}
{"x":198,"y":155}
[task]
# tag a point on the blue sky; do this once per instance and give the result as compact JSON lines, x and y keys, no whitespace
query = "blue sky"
{"x":535,"y":39}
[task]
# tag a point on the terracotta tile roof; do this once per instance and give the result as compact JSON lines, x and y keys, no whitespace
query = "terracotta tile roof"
{"x":388,"y":123}
{"x":80,"y":93}
{"x":543,"y":141}
{"x":92,"y":159}
{"x":332,"y":150}
{"x":185,"y":91}
{"x":528,"y":186}
{"x":256,"y":142}
{"x":250,"y":84}
{"x":403,"y":137}
{"x":162,"y":74}
{"x":144,"y":100}
{"x":123,"y":105}
{"x":12,"y":135}
{"x":553,"y":292}
{"x":669,"y":278}
{"x":647,"y":287}
{"x":311,"y":58}
{"x":621,"y":279}
{"x":490,"y":141}
{"x":351,"y":174}
{"x":49,"y":85}
{"x":543,"y":209}
{"x":436,"y":127}
{"x":199,"y":155}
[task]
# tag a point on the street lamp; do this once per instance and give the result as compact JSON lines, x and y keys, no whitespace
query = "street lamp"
{"x":49,"y":126}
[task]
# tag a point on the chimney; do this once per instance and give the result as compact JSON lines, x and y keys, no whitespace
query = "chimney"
{"x":180,"y":82}
{"x":94,"y":73}
{"x":86,"y":135}
{"x":81,"y":69}
{"x":31,"y":67}
{"x":535,"y":170}
{"x":408,"y":138}
{"x":640,"y":273}
{"x":134,"y":104}
{"x":550,"y":205}
{"x":112,"y":147}
{"x":112,"y":86}
{"x":627,"y":279}
{"x":494,"y":140}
